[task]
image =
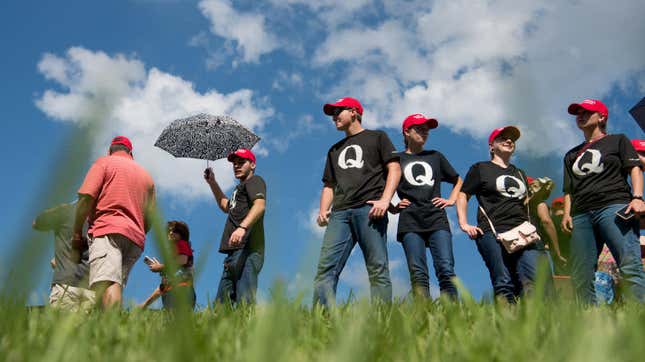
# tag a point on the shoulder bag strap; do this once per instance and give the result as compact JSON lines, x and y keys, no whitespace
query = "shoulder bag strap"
{"x":489,"y":222}
{"x":528,"y":213}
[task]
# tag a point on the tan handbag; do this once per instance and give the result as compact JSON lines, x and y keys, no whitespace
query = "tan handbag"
{"x":518,"y":237}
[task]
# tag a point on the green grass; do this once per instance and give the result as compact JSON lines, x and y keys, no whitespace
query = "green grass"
{"x":285,"y":330}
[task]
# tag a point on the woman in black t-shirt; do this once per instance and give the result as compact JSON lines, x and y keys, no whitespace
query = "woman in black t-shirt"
{"x":501,"y":190}
{"x":423,"y":221}
{"x":599,"y":204}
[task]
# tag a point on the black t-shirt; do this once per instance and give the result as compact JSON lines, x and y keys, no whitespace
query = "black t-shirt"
{"x":597,"y":177}
{"x":501,"y":192}
{"x":60,"y":220}
{"x":356,"y":168}
{"x":421,"y":178}
{"x":239,"y":205}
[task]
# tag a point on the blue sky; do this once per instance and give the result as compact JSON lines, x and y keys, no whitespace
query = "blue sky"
{"x":134,"y":66}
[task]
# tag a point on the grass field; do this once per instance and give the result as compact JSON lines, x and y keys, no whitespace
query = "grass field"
{"x":285,"y":330}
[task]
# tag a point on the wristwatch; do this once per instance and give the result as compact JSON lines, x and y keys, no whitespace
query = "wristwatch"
{"x":637,"y":197}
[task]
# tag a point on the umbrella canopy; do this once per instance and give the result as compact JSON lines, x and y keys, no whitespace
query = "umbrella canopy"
{"x":205,"y":137}
{"x":638,"y":112}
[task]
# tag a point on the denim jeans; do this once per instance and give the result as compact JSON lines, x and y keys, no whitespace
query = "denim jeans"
{"x":345,"y":229}
{"x":239,"y":281}
{"x":590,"y":230}
{"x":512,"y":275}
{"x":440,"y":244}
{"x":178,"y":295}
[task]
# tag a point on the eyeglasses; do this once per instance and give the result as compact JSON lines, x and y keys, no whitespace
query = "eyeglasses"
{"x":339,"y":110}
{"x":420,"y":128}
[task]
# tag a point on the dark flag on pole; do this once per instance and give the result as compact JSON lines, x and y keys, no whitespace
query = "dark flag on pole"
{"x":638,"y":112}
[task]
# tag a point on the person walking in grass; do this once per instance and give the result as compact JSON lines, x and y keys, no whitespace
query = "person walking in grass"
{"x":118,"y":199}
{"x":243,"y":237}
{"x":539,"y":191}
{"x":423,"y":221}
{"x":178,"y":289}
{"x":360,"y":177}
{"x":69,"y":287}
{"x":501,"y":190}
{"x":600,"y":207}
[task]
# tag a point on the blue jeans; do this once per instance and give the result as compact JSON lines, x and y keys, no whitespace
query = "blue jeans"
{"x":590,"y":230}
{"x":239,"y":281}
{"x":512,"y":275}
{"x":440,"y":244}
{"x":345,"y":229}
{"x":178,"y":295}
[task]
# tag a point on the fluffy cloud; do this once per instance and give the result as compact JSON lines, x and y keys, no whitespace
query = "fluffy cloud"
{"x":248,"y":31}
{"x":117,"y":95}
{"x":477,"y":66}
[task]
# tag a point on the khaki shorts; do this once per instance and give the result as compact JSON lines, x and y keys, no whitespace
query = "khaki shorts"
{"x":65,"y":296}
{"x":112,"y":257}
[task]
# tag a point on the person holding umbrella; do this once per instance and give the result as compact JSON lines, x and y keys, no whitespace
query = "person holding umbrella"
{"x":502,"y":192}
{"x":599,"y":204}
{"x":243,"y":237}
{"x":423,"y":221}
{"x":360,"y":177}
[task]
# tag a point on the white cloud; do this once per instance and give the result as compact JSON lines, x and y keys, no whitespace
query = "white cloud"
{"x":477,"y":66}
{"x":287,"y":81}
{"x":331,"y":12}
{"x":119,"y":96}
{"x":248,"y":31}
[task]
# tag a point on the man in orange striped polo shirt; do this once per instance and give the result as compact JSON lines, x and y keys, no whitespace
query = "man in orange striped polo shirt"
{"x":117,"y":197}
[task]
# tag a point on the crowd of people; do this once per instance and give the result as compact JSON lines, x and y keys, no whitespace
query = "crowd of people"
{"x":516,"y":232}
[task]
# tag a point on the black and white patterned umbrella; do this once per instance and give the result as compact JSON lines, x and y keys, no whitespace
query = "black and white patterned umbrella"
{"x":205,"y":137}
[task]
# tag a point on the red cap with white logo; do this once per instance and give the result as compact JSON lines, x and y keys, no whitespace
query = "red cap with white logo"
{"x":418,"y":118}
{"x":346,"y":102}
{"x":592,"y":105}
{"x":242,"y":153}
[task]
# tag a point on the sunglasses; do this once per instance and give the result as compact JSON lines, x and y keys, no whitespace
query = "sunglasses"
{"x":339,"y":110}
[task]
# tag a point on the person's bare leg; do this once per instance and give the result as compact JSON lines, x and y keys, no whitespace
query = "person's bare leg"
{"x":108,"y":294}
{"x":112,"y":296}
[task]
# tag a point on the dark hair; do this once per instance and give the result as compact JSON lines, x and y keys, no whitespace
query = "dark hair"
{"x":119,"y":147}
{"x":180,"y":228}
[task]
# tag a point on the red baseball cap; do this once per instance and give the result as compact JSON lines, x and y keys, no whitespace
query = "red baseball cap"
{"x":242,"y":153}
{"x":529,"y":180}
{"x":558,"y":203}
{"x":593,"y":105}
{"x":346,"y":102}
{"x":511,"y":131}
{"x":418,"y":118}
{"x":122,"y":140}
{"x":639,"y":145}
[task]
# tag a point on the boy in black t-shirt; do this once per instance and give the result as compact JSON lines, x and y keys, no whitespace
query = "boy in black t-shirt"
{"x":600,"y":207}
{"x":361,"y":175}
{"x":243,"y":237}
